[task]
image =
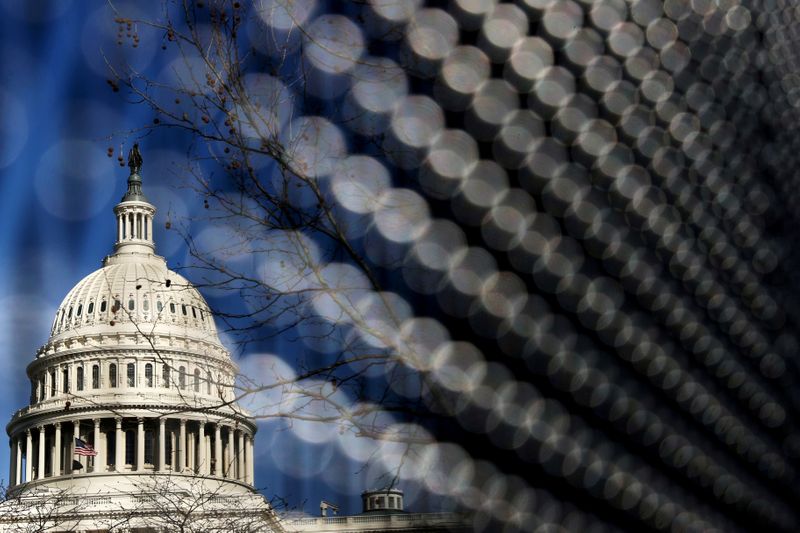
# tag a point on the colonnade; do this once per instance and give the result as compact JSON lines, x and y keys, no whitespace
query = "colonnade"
{"x":137,"y":445}
{"x":134,"y":225}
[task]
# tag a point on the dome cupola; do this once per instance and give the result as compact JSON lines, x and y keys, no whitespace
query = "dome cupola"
{"x":134,"y":213}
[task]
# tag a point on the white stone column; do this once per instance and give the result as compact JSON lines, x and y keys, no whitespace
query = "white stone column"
{"x":217,"y":451}
{"x":160,"y":462}
{"x":28,"y":455}
{"x":18,"y":462}
{"x":139,"y":444}
{"x":40,"y":466}
{"x":182,"y":446}
{"x":191,"y":451}
{"x":150,"y":228}
{"x":230,"y":465}
{"x":119,"y":447}
{"x":18,"y":476}
{"x":240,"y":455}
{"x":100,"y":458}
{"x":202,"y":465}
{"x":57,"y":449}
{"x":248,"y":460}
{"x":251,"y":464}
{"x":119,"y":228}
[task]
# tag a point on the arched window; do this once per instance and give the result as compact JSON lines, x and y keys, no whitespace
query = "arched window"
{"x":41,"y":388}
{"x":112,"y":375}
{"x":165,"y":376}
{"x":90,"y":309}
{"x":95,"y":376}
{"x":65,"y":380}
{"x":33,"y":391}
{"x":69,"y":315}
{"x":131,"y":375}
{"x":130,"y":445}
{"x":146,"y":304}
{"x":194,"y":313}
{"x":52,"y":383}
{"x":159,"y":306}
{"x":103,"y":305}
{"x":208,"y":382}
{"x":131,"y":305}
{"x":197,"y":380}
{"x":182,"y":377}
{"x":202,"y":316}
{"x":80,"y":310}
{"x":117,"y":306}
{"x":183,"y":309}
{"x":148,"y":374}
{"x":172,"y":307}
{"x":79,"y":378}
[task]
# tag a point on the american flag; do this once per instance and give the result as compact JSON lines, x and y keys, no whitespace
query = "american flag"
{"x":84,"y":448}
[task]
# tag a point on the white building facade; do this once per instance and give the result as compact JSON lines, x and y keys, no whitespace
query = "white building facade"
{"x":134,"y":368}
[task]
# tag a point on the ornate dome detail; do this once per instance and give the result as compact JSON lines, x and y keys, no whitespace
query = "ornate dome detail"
{"x":130,"y":297}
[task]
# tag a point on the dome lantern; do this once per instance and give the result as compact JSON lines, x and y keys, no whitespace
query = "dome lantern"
{"x":134,"y":213}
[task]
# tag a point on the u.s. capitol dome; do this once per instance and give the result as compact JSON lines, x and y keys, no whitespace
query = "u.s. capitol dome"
{"x":132,"y":416}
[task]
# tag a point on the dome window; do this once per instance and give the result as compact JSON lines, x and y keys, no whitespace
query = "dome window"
{"x":90,"y":309}
{"x":79,"y":378}
{"x":69,"y":315}
{"x":95,"y":376}
{"x":131,"y":305}
{"x":165,"y":375}
{"x":103,"y":306}
{"x":80,"y":310}
{"x":194,"y":313}
{"x":183,"y":309}
{"x":159,"y":306}
{"x":208,"y":383}
{"x":148,"y":374}
{"x":117,"y":306}
{"x":172,"y":308}
{"x":65,"y":380}
{"x":41,"y":388}
{"x":201,"y":315}
{"x":197,"y":380}
{"x":146,"y":304}
{"x":52,"y":383}
{"x":131,"y":375}
{"x":182,"y":377}
{"x":112,"y":375}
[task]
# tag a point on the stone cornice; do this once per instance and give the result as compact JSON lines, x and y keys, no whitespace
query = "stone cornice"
{"x":28,"y":420}
{"x":104,"y":351}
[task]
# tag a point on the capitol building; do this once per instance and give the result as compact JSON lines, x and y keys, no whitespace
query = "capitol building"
{"x":132,"y":423}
